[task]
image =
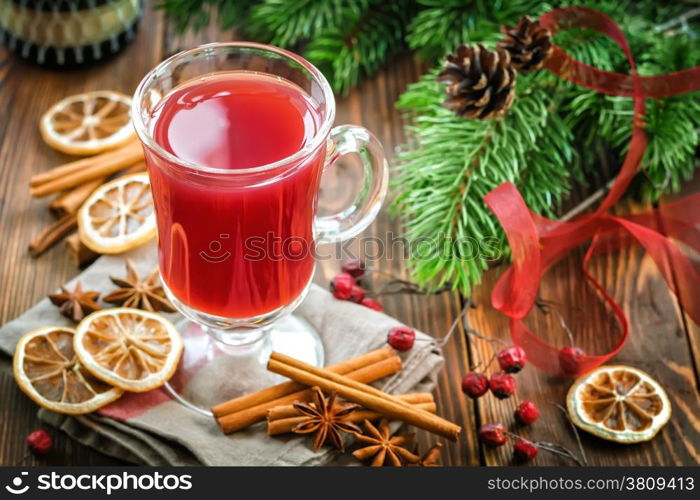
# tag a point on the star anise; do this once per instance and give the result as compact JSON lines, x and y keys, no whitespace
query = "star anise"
{"x":75,"y":304}
{"x":383,"y":447}
{"x":327,"y":418}
{"x":145,"y":294}
{"x":429,"y":458}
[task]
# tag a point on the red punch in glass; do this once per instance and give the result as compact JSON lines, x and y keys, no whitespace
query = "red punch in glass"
{"x":236,"y":138}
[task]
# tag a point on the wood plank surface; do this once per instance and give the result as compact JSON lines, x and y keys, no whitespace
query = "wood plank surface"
{"x":663,"y":342}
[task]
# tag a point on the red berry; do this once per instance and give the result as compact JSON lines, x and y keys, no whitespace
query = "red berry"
{"x":372,"y":304}
{"x":502,"y":385}
{"x":526,"y":412}
{"x":40,"y":442}
{"x":355,"y":268}
{"x":401,"y":338}
{"x":492,"y":434}
{"x":570,"y":360}
{"x":512,"y":359}
{"x":525,"y":450}
{"x":475,"y":384}
{"x":357,"y":293}
{"x":341,"y":286}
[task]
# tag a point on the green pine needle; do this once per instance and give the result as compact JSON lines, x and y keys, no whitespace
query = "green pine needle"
{"x":441,"y":25}
{"x":362,"y":44}
{"x":196,"y":14}
{"x":285,"y":23}
{"x":453,"y":163}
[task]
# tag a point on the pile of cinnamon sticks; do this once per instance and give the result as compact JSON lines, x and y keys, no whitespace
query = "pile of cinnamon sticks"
{"x":349,"y":379}
{"x":72,"y":183}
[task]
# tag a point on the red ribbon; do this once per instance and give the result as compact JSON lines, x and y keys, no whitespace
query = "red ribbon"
{"x":537,"y":242}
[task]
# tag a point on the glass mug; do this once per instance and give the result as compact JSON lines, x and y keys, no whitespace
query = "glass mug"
{"x":237,"y":233}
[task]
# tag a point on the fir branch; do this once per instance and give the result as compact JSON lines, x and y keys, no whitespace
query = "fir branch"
{"x":443,"y":24}
{"x":454,"y":163}
{"x":362,"y":43}
{"x":439,"y":27}
{"x":672,"y":126}
{"x":196,"y":14}
{"x":673,"y":122}
{"x":287,"y":23}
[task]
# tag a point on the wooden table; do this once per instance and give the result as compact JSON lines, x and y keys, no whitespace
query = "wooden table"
{"x":664,"y":341}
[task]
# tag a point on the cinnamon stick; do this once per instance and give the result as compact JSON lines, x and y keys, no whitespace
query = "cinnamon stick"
{"x":81,"y":171}
{"x":70,"y":201}
{"x":280,"y":390}
{"x":136,"y":168}
{"x":334,"y":377}
{"x":287,"y":411}
{"x":78,"y":165}
{"x":243,"y":418}
{"x":82,"y":255}
{"x":362,"y":394}
{"x":285,"y":425}
{"x":52,"y":234}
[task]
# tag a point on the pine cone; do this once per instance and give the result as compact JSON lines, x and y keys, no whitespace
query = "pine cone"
{"x":481,"y":83}
{"x":528,"y":43}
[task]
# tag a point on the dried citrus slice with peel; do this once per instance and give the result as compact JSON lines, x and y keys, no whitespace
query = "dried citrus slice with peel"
{"x":89,"y":123}
{"x":47,"y":370}
{"x":131,"y":349}
{"x":118,"y":216}
{"x":619,"y":403}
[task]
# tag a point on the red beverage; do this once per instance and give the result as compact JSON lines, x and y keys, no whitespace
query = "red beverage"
{"x":238,"y":245}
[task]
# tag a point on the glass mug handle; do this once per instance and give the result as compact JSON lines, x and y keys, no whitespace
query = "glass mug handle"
{"x":353,"y":219}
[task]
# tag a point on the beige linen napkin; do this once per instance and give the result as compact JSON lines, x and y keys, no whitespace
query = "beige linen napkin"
{"x":163,"y":432}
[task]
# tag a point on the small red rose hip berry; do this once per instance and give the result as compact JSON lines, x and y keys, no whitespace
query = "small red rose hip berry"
{"x":475,"y":384}
{"x":502,"y":385}
{"x":401,"y":338}
{"x":526,"y":413}
{"x":355,"y":268}
{"x":40,"y":442}
{"x":341,"y":286}
{"x":525,"y":450}
{"x":512,"y":359}
{"x":570,"y":360}
{"x":357,"y":293}
{"x":372,"y":304}
{"x":492,"y":434}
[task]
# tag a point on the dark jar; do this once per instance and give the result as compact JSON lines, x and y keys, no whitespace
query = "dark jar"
{"x":68,"y":33}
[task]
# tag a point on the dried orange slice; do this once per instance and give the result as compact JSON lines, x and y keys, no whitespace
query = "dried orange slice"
{"x":619,"y":403}
{"x":87,"y":124}
{"x":118,"y":216}
{"x":47,"y":370}
{"x":128,"y":348}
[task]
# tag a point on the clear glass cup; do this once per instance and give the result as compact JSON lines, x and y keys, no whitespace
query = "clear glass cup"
{"x":238,"y":300}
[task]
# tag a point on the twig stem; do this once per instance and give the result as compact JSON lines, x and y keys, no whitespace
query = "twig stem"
{"x":584,"y":459}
